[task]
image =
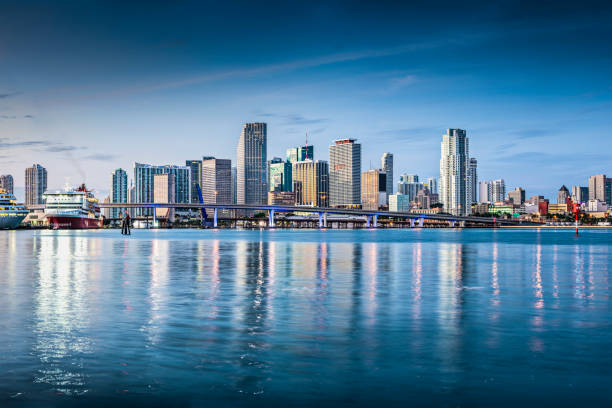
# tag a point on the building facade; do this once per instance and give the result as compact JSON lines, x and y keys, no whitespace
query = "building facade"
{"x":492,"y":191}
{"x":563,"y":195}
{"x":195,"y":174}
{"x":281,"y":198}
{"x":119,"y":191}
{"x":279,"y":175}
{"x":144,"y":184}
{"x":409,"y":186}
{"x":251,"y":165}
{"x":164,"y":187}
{"x":399,"y":203}
{"x":35,"y":184}
{"x":432,"y":184}
{"x":7,"y":184}
{"x":386,"y":165}
{"x":600,"y":188}
{"x":580,"y":194}
{"x":373,"y":189}
{"x":311,"y":183}
{"x":345,"y":173}
{"x":472,"y":181}
{"x":454,"y":151}
{"x":301,"y":153}
{"x":517,"y":196}
{"x":217,"y":181}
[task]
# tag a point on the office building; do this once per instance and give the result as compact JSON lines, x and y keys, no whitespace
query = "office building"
{"x":217,"y":181}
{"x":234,"y":186}
{"x":311,"y":183}
{"x":409,"y":186}
{"x":106,"y":212}
{"x":386,"y":165}
{"x":424,"y":199}
{"x":164,"y":187}
{"x":302,"y":153}
{"x":281,"y":198}
{"x":279,"y":175}
{"x":251,"y":165}
{"x":399,"y":203}
{"x":35,"y":184}
{"x":517,"y":196}
{"x":472,"y":181}
{"x":580,"y":194}
{"x":195,"y":175}
{"x":373,"y":189}
{"x":492,"y":191}
{"x":454,"y":154}
{"x":132,"y":199}
{"x":6,"y":183}
{"x":345,"y":173}
{"x":432,"y":184}
{"x":119,"y":191}
{"x":563,"y":195}
{"x":600,"y":188}
{"x":144,"y":184}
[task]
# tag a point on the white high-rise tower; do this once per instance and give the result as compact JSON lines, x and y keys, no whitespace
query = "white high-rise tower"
{"x":453,"y":172}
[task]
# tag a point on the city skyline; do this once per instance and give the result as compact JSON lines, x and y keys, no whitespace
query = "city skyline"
{"x":531,"y":88}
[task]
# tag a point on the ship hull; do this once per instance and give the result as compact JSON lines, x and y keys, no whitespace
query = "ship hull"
{"x":56,"y":222}
{"x":10,"y":222}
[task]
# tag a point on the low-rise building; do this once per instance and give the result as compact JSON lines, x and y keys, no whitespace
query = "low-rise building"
{"x":281,"y":198}
{"x":555,"y":209}
{"x":596,"y":206}
{"x":399,"y":203}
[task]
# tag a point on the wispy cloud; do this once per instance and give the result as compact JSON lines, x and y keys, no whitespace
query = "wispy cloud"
{"x":8,"y":117}
{"x":8,"y":94}
{"x":40,"y":145}
{"x":101,"y":157}
{"x":292,"y":118}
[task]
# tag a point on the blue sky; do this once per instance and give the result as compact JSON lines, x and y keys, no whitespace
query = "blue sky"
{"x":87,"y":87}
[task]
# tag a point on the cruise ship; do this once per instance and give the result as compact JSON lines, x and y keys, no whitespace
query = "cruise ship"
{"x":11,"y":213}
{"x":72,"y":209}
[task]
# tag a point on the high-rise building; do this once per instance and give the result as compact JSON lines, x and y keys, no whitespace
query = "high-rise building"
{"x":279,"y":175}
{"x":472,"y":181}
{"x":6,"y":183}
{"x":106,"y":212}
{"x":234,"y":185}
{"x":409,"y":186}
{"x":409,"y":178}
{"x":399,"y":203}
{"x":301,"y":153}
{"x":386,"y":165}
{"x":35,"y":184}
{"x":251,"y":165}
{"x":119,"y":191}
{"x":580,"y":194}
{"x":311,"y":183}
{"x":217,"y":181}
{"x":432,"y":184}
{"x":144,"y":184}
{"x":132,"y":199}
{"x":492,"y":191}
{"x":195,"y":174}
{"x":600,"y":188}
{"x":345,"y":173}
{"x":424,"y":199}
{"x":453,"y":172}
{"x":373,"y":189}
{"x":517,"y":196}
{"x":562,"y":195}
{"x":164,"y":193}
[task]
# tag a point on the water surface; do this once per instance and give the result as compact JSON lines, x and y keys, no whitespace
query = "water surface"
{"x":303,"y":317}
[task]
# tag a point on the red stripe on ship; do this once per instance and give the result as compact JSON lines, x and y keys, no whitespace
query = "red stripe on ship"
{"x":73,"y":222}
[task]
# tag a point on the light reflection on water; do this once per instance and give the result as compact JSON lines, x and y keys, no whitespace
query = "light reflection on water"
{"x":343,"y":317}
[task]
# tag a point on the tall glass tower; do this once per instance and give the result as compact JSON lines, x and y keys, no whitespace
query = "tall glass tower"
{"x":453,"y":172}
{"x":119,"y":191}
{"x":386,"y":165}
{"x":345,"y":173}
{"x":251,"y":165}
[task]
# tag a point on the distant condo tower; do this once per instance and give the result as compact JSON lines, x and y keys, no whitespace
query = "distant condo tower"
{"x":6,"y":183}
{"x":386,"y":165}
{"x":472,"y":182}
{"x":298,"y":154}
{"x":251,"y":165}
{"x":195,"y":170}
{"x":119,"y":191}
{"x":345,"y":173}
{"x":217,"y":181}
{"x":35,"y":184}
{"x":453,"y":172}
{"x":144,"y":183}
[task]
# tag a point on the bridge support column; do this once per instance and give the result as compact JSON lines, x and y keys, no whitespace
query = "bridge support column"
{"x":462,"y":224}
{"x":452,"y":224}
{"x":368,"y":222}
{"x":271,"y":219}
{"x":375,"y":220}
{"x":320,"y":220}
{"x":421,"y":222}
{"x":215,"y":218}
{"x":154,"y":217}
{"x":412,"y":223}
{"x":324,"y":220}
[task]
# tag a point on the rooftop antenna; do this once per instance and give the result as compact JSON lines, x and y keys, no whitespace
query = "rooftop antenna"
{"x":306,"y":138}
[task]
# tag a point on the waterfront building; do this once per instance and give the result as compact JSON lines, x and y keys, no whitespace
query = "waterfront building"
{"x":399,"y":203}
{"x":144,"y":184}
{"x":164,"y":193}
{"x":301,"y":153}
{"x":279,"y":175}
{"x":217,"y":181}
{"x":454,"y":151}
{"x":7,"y":184}
{"x":373,"y":189}
{"x":234,"y":185}
{"x":132,"y":199}
{"x":281,"y":198}
{"x":557,"y":209}
{"x":195,"y":175}
{"x":35,"y":184}
{"x":492,"y":191}
{"x":106,"y":212}
{"x":472,"y":181}
{"x":423,"y":199}
{"x":594,"y":206}
{"x":119,"y":191}
{"x":345,"y":173}
{"x":600,"y":188}
{"x":432,"y":184}
{"x":563,"y":195}
{"x":251,"y":165}
{"x":517,"y":196}
{"x":580,"y":194}
{"x":386,"y":165}
{"x":409,"y":185}
{"x":311,"y":183}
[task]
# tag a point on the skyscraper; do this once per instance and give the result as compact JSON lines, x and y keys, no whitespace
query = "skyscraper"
{"x":432,"y":184}
{"x":311,"y":183}
{"x":600,"y":188}
{"x":373,"y":189}
{"x":195,"y":174}
{"x":453,"y":172}
{"x":517,"y":196}
{"x":119,"y":191}
{"x":144,"y":184}
{"x":386,"y":164}
{"x":345,"y":173}
{"x":251,"y":163}
{"x":409,"y":186}
{"x":562,"y":195}
{"x":6,"y":183}
{"x":492,"y":191}
{"x":217,"y":181}
{"x":35,"y":184}
{"x":164,"y":193}
{"x":301,"y":153}
{"x":472,"y":181}
{"x":234,"y":185}
{"x":279,"y":175}
{"x":580,"y":194}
